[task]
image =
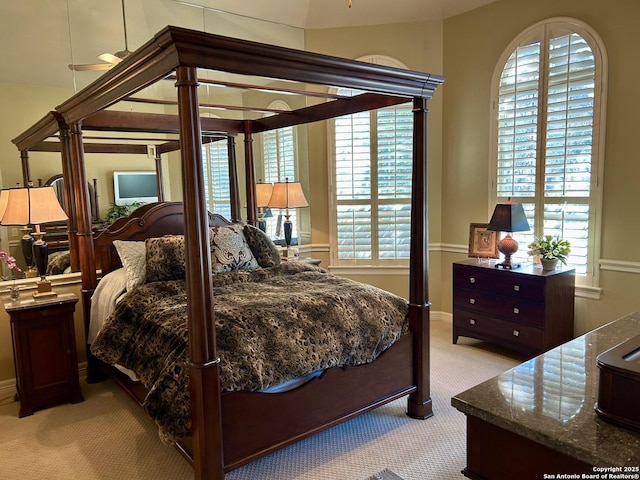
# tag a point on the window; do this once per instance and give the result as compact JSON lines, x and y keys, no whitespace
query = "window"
{"x":548,"y":135}
{"x":215,"y":159}
{"x":372,"y":168}
{"x":279,"y":164}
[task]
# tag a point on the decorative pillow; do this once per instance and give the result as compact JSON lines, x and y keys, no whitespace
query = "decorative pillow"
{"x":132,"y":255}
{"x":165,"y":258}
{"x":229,"y":250}
{"x":262,"y":247}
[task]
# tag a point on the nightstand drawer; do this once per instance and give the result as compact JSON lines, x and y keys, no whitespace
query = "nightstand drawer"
{"x":491,"y":329}
{"x":505,"y":283}
{"x":507,"y":308}
{"x":35,"y":314}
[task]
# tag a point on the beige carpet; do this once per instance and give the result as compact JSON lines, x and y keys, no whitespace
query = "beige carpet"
{"x":106,"y":437}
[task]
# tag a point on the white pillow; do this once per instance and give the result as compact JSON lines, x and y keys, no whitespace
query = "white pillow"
{"x":133,"y":257}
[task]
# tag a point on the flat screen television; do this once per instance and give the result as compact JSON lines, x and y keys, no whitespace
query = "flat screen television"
{"x":131,"y":187}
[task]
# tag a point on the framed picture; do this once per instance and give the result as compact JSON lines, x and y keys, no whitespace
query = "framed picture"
{"x":483,"y":243}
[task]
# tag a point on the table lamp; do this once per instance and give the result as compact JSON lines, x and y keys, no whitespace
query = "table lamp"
{"x":35,"y":206}
{"x":287,"y":195}
{"x":508,"y":217}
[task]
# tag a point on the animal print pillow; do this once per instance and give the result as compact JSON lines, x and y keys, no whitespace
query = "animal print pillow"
{"x":165,"y":258}
{"x":265,"y":251}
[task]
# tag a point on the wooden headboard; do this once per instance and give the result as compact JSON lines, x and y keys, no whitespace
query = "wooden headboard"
{"x":150,"y":220}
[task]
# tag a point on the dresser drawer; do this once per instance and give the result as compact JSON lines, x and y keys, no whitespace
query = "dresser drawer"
{"x":479,"y":326}
{"x":512,"y":284}
{"x":508,"y":308}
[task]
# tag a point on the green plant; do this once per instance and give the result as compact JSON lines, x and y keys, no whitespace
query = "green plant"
{"x":550,"y":248}
{"x":117,"y":211}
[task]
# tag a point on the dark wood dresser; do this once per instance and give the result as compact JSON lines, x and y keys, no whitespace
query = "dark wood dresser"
{"x":537,"y":420}
{"x":525,"y":309}
{"x":44,"y":351}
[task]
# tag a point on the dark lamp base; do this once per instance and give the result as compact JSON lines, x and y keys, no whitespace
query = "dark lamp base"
{"x":507,"y":265}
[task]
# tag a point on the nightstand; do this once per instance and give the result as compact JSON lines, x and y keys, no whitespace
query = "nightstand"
{"x":44,"y":351}
{"x":526,"y":309}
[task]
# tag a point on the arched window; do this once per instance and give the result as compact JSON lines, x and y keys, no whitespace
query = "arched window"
{"x":371,"y":183}
{"x":549,"y":101}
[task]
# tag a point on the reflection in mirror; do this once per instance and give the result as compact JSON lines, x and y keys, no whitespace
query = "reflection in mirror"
{"x":57,"y":235}
{"x":57,"y":182}
{"x":553,"y":384}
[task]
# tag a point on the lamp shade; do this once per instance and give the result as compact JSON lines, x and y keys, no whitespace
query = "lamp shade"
{"x":287,"y":195}
{"x":4,"y":199}
{"x":263,"y":194}
{"x":508,"y":217}
{"x":33,"y":205}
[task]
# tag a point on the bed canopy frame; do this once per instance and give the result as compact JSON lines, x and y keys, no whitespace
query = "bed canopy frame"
{"x":177,"y":54}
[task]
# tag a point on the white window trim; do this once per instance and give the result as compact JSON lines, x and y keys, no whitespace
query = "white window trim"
{"x":600,"y":113}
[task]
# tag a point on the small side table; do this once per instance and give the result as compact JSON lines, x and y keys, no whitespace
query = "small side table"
{"x":44,"y":351}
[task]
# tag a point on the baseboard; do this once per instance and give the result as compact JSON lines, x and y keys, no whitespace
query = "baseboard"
{"x":8,"y":387}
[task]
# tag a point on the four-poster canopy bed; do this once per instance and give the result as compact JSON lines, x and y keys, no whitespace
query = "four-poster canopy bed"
{"x":228,"y":427}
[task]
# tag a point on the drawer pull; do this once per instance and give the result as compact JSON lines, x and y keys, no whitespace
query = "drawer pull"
{"x":516,"y":310}
{"x":516,"y":288}
{"x":472,"y":301}
{"x":516,"y":333}
{"x":472,"y":321}
{"x":472,"y":280}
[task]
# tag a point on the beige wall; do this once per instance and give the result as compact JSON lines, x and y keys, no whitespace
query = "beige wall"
{"x":473,"y":42}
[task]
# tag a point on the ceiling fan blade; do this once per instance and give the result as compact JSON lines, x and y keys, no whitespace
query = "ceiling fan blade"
{"x":109,"y":58}
{"x":90,"y":66}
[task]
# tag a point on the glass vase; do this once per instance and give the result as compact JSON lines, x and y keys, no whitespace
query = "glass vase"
{"x":14,"y":292}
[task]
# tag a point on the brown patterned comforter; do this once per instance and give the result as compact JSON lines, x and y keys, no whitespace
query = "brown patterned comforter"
{"x":272,"y":324}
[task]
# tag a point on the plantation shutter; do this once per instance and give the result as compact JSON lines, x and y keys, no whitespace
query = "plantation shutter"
{"x":215,"y":157}
{"x":569,"y":140}
{"x":395,"y":161}
{"x":353,"y":186}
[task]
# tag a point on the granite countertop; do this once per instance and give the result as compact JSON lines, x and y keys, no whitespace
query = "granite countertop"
{"x":550,"y":399}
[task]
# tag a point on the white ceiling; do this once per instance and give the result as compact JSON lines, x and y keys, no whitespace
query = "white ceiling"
{"x":40,"y":38}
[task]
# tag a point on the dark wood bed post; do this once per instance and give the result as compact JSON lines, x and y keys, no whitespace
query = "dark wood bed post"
{"x":236,"y":212}
{"x":69,"y":193}
{"x":26,"y":170}
{"x":252,"y":209}
{"x":419,"y":404}
{"x":84,"y":235}
{"x":204,"y":382}
{"x":159,"y":177}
